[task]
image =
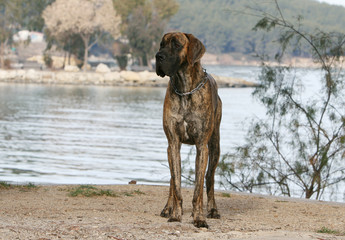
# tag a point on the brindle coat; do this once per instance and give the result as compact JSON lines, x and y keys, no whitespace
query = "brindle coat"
{"x":190,"y":119}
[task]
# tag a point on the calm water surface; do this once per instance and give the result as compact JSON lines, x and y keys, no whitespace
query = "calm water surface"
{"x":99,"y":135}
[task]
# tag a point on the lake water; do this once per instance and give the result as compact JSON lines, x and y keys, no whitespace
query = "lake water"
{"x":102,"y":135}
{"x":99,"y":135}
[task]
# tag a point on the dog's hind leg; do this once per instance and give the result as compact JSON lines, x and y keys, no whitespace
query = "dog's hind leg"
{"x":214,"y":153}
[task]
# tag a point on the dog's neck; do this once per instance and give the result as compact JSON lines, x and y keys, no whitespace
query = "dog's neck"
{"x":188,"y":77}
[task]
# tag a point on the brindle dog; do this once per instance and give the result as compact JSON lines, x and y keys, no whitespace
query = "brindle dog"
{"x":192,"y":114}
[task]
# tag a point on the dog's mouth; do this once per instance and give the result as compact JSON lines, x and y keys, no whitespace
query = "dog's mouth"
{"x":159,"y":70}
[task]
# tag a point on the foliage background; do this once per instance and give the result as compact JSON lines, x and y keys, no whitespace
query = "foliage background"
{"x":223,"y":28}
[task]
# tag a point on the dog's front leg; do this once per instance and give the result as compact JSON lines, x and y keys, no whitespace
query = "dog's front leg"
{"x":200,"y":168}
{"x":175,"y":182}
{"x":167,"y":210}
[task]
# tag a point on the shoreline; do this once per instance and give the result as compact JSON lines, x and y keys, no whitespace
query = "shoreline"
{"x":115,"y":78}
{"x":133,"y":212}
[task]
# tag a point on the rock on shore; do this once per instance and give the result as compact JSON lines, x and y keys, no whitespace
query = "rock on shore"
{"x":102,"y":77}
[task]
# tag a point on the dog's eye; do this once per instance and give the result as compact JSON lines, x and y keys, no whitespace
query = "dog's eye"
{"x":161,"y":44}
{"x":176,"y":44}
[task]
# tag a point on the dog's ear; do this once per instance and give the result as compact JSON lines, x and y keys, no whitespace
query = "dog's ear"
{"x":195,"y":49}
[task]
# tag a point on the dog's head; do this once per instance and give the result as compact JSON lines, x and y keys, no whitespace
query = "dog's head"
{"x":177,"y":50}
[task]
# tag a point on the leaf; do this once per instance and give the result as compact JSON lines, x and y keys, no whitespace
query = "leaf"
{"x":261,"y":24}
{"x":342,"y":139}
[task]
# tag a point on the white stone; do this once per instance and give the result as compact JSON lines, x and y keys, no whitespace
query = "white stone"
{"x":146,"y":76}
{"x":3,"y":74}
{"x":102,"y":68}
{"x":71,"y":68}
{"x":20,"y":74}
{"x":11,"y":74}
{"x":112,"y":76}
{"x":130,"y":76}
{"x":32,"y":74}
{"x":65,"y":77}
{"x":95,"y":78}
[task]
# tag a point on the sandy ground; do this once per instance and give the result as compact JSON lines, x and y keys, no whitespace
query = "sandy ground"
{"x":48,"y":212}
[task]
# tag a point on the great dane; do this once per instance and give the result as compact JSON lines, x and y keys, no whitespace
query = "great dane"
{"x":192,"y":114}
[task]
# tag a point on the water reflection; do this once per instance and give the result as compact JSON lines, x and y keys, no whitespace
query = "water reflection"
{"x":99,"y":135}
{"x":69,"y":134}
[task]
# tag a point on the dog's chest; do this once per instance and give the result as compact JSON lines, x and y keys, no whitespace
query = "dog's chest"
{"x":187,"y":122}
{"x":187,"y":130}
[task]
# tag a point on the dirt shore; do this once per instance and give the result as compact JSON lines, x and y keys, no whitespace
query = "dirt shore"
{"x":132,"y":212}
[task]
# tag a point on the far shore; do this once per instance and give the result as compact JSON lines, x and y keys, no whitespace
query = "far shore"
{"x":102,"y":77}
{"x":250,"y":61}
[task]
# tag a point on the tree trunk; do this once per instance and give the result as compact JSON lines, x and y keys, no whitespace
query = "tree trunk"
{"x":148,"y":62}
{"x":140,"y":61}
{"x":144,"y":63}
{"x":122,"y":61}
{"x":64,"y":60}
{"x":86,"y":39}
{"x":2,"y":54}
{"x":69,"y":58}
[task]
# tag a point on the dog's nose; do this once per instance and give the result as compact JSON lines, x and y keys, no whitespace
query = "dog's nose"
{"x":160,"y":57}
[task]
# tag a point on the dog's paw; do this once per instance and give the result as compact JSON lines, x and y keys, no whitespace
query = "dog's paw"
{"x":200,"y":224}
{"x":213,"y":214}
{"x":165,"y":213}
{"x":175,"y":219}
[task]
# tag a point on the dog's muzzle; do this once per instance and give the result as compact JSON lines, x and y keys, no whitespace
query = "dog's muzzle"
{"x":160,"y":57}
{"x":166,"y":63}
